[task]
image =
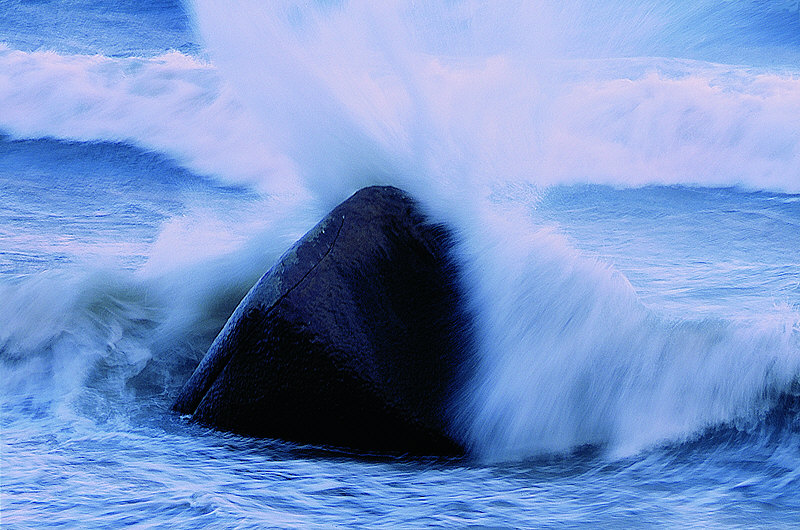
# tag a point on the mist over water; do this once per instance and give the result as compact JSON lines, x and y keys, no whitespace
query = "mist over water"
{"x":622,"y":178}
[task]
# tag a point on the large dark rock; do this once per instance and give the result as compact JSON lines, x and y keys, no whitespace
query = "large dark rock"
{"x":355,"y":338}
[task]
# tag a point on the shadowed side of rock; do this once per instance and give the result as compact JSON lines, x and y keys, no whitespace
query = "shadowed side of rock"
{"x":356,"y":338}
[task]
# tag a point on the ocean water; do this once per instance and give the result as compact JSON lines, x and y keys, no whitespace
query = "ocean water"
{"x":623,"y":179}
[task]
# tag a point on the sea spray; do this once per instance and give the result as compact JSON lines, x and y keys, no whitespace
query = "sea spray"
{"x":553,"y":138}
{"x":569,"y":356}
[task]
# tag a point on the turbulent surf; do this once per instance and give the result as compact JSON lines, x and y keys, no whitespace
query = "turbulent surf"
{"x":623,"y":183}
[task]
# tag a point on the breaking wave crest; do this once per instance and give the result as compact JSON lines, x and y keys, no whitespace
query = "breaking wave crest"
{"x":173,"y":103}
{"x":320,"y":101}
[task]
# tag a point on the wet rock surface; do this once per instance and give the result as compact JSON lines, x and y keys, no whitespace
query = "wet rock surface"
{"x":356,"y":338}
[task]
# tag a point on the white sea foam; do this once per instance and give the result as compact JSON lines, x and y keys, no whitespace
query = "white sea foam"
{"x":321,"y":101}
{"x":172,"y":103}
{"x":568,"y":355}
{"x":350,"y":96}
